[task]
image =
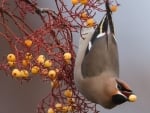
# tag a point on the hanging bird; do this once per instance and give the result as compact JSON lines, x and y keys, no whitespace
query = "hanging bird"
{"x":96,"y":70}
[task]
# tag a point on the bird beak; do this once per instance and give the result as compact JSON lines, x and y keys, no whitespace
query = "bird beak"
{"x":126,"y":93}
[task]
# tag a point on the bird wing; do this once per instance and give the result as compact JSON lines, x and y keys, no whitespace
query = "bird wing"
{"x":101,"y":57}
{"x":99,"y":31}
{"x":102,"y":52}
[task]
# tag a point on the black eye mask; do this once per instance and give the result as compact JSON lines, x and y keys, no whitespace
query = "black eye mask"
{"x":121,"y":87}
{"x":119,"y":99}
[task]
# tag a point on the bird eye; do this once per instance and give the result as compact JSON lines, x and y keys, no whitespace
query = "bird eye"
{"x":119,"y":87}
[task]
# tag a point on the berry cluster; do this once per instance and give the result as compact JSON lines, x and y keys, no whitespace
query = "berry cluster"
{"x":48,"y":50}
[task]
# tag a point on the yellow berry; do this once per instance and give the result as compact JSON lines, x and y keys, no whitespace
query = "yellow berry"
{"x":28,"y":42}
{"x":70,"y":100}
{"x":65,"y":109}
{"x":132,"y":98}
{"x":11,"y":57}
{"x":68,"y":93}
{"x":24,"y":73}
{"x":28,"y":56}
{"x":74,"y":2}
{"x":67,"y":56}
{"x":51,"y":110}
{"x":47,"y":63}
{"x":90,"y":22}
{"x":25,"y":62}
{"x":58,"y":106}
{"x":54,"y":84}
{"x":70,"y":108}
{"x":113,"y":8}
{"x":68,"y":61}
{"x":84,"y":15}
{"x":52,"y":74}
{"x":83,"y":2}
{"x":16,"y":73}
{"x":35,"y":69}
{"x":11,"y":64}
{"x":41,"y":59}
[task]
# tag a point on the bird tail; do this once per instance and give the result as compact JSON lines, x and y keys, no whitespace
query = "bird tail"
{"x":109,"y":13}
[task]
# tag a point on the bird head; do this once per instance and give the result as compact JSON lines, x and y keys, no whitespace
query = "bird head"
{"x":123,"y":93}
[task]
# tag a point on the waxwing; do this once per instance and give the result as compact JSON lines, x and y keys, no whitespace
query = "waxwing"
{"x":96,"y":71}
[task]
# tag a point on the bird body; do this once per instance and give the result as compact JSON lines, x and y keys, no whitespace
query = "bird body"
{"x":96,"y":71}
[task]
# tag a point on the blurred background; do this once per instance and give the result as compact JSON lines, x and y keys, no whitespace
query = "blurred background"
{"x":132,"y":32}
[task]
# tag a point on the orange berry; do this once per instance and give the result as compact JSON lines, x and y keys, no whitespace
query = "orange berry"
{"x":75,"y":2}
{"x":24,"y":73}
{"x":51,"y":110}
{"x":67,"y":56}
{"x":11,"y":64}
{"x":68,"y":93}
{"x":11,"y":57}
{"x":28,"y":42}
{"x":83,"y":2}
{"x":35,"y":69}
{"x":70,"y":100}
{"x":40,"y":59}
{"x":25,"y":62}
{"x":90,"y":22}
{"x":84,"y":15}
{"x":52,"y":74}
{"x":58,"y":106}
{"x":70,"y":108}
{"x":28,"y":56}
{"x":65,"y":109}
{"x":16,"y":73}
{"x":113,"y":8}
{"x":47,"y":63}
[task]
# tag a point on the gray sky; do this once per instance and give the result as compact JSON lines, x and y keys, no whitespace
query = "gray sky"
{"x":132,"y":30}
